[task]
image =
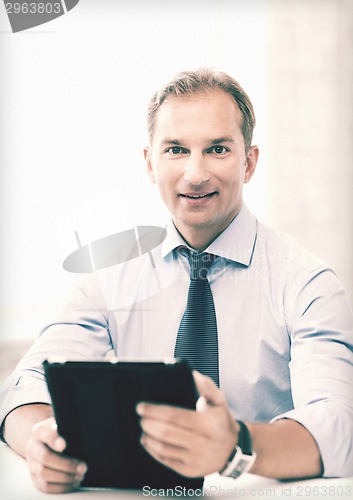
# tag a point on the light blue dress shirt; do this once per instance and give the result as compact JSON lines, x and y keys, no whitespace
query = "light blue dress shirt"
{"x":285,"y":330}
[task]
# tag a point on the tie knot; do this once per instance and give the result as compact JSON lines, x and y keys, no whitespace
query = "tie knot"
{"x":199,"y":263}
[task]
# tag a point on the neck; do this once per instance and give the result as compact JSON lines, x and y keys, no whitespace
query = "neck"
{"x":198,"y":239}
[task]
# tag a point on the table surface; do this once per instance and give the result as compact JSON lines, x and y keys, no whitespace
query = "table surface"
{"x":16,"y":484}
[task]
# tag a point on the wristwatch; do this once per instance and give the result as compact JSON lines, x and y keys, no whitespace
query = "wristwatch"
{"x":242,"y":457}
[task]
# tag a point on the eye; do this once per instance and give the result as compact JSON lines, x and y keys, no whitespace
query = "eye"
{"x":219,"y":150}
{"x":176,"y":150}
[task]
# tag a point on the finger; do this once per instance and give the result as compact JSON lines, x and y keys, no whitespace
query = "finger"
{"x":46,"y":431}
{"x":46,"y":487}
{"x":208,"y":389}
{"x":37,"y":452}
{"x":171,"y":457}
{"x":180,"y":467}
{"x":167,"y":433}
{"x":161,"y":450}
{"x":169,"y":462}
{"x":54,"y":476}
{"x":179,"y":416}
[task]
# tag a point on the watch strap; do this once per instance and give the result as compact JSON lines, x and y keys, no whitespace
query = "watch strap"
{"x":244,"y":439}
{"x":242,"y":457}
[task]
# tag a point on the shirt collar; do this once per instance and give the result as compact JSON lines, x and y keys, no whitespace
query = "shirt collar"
{"x":235,"y":243}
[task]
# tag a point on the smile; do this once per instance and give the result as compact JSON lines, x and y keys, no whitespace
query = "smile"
{"x":197,"y":196}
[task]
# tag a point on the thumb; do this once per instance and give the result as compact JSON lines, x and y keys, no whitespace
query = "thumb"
{"x":208,"y":390}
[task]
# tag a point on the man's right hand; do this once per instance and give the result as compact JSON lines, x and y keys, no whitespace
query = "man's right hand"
{"x":31,"y":431}
{"x":51,"y":471}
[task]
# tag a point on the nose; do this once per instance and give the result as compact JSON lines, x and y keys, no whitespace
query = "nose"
{"x":195,"y":172}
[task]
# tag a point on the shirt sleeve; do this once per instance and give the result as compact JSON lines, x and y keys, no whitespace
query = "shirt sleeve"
{"x":80,"y":332}
{"x":320,"y":324}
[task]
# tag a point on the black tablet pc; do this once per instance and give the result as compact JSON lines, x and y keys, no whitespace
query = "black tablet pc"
{"x":94,"y":404}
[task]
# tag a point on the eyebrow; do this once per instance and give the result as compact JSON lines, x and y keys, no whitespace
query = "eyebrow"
{"x":214,"y":142}
{"x":220,"y":140}
{"x":175,"y":142}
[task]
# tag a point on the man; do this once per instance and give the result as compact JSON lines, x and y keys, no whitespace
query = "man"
{"x":284,"y":327}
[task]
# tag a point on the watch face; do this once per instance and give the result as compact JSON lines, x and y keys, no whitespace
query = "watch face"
{"x":240,"y":464}
{"x":240,"y":467}
{"x":235,"y":474}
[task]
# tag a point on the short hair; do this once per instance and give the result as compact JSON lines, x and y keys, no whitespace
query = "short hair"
{"x":204,"y":80}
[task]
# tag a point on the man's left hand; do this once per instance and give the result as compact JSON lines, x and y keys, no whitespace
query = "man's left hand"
{"x":193,"y":443}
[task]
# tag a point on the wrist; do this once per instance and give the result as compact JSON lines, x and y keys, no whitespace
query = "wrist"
{"x":242,"y":457}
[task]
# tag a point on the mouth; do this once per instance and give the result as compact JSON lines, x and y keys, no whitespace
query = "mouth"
{"x":197,"y":196}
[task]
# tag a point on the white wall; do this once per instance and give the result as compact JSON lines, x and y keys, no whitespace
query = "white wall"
{"x":310,"y":111}
{"x":73,"y":98}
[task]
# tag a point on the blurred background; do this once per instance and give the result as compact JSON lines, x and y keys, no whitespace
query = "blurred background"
{"x":73,"y":97}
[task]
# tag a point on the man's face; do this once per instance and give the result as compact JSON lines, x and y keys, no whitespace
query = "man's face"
{"x":198,"y":161}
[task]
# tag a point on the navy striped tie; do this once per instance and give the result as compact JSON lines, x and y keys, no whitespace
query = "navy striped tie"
{"x":197,"y":340}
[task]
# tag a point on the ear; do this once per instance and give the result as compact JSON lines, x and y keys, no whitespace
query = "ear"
{"x":147,"y":155}
{"x":251,"y":161}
